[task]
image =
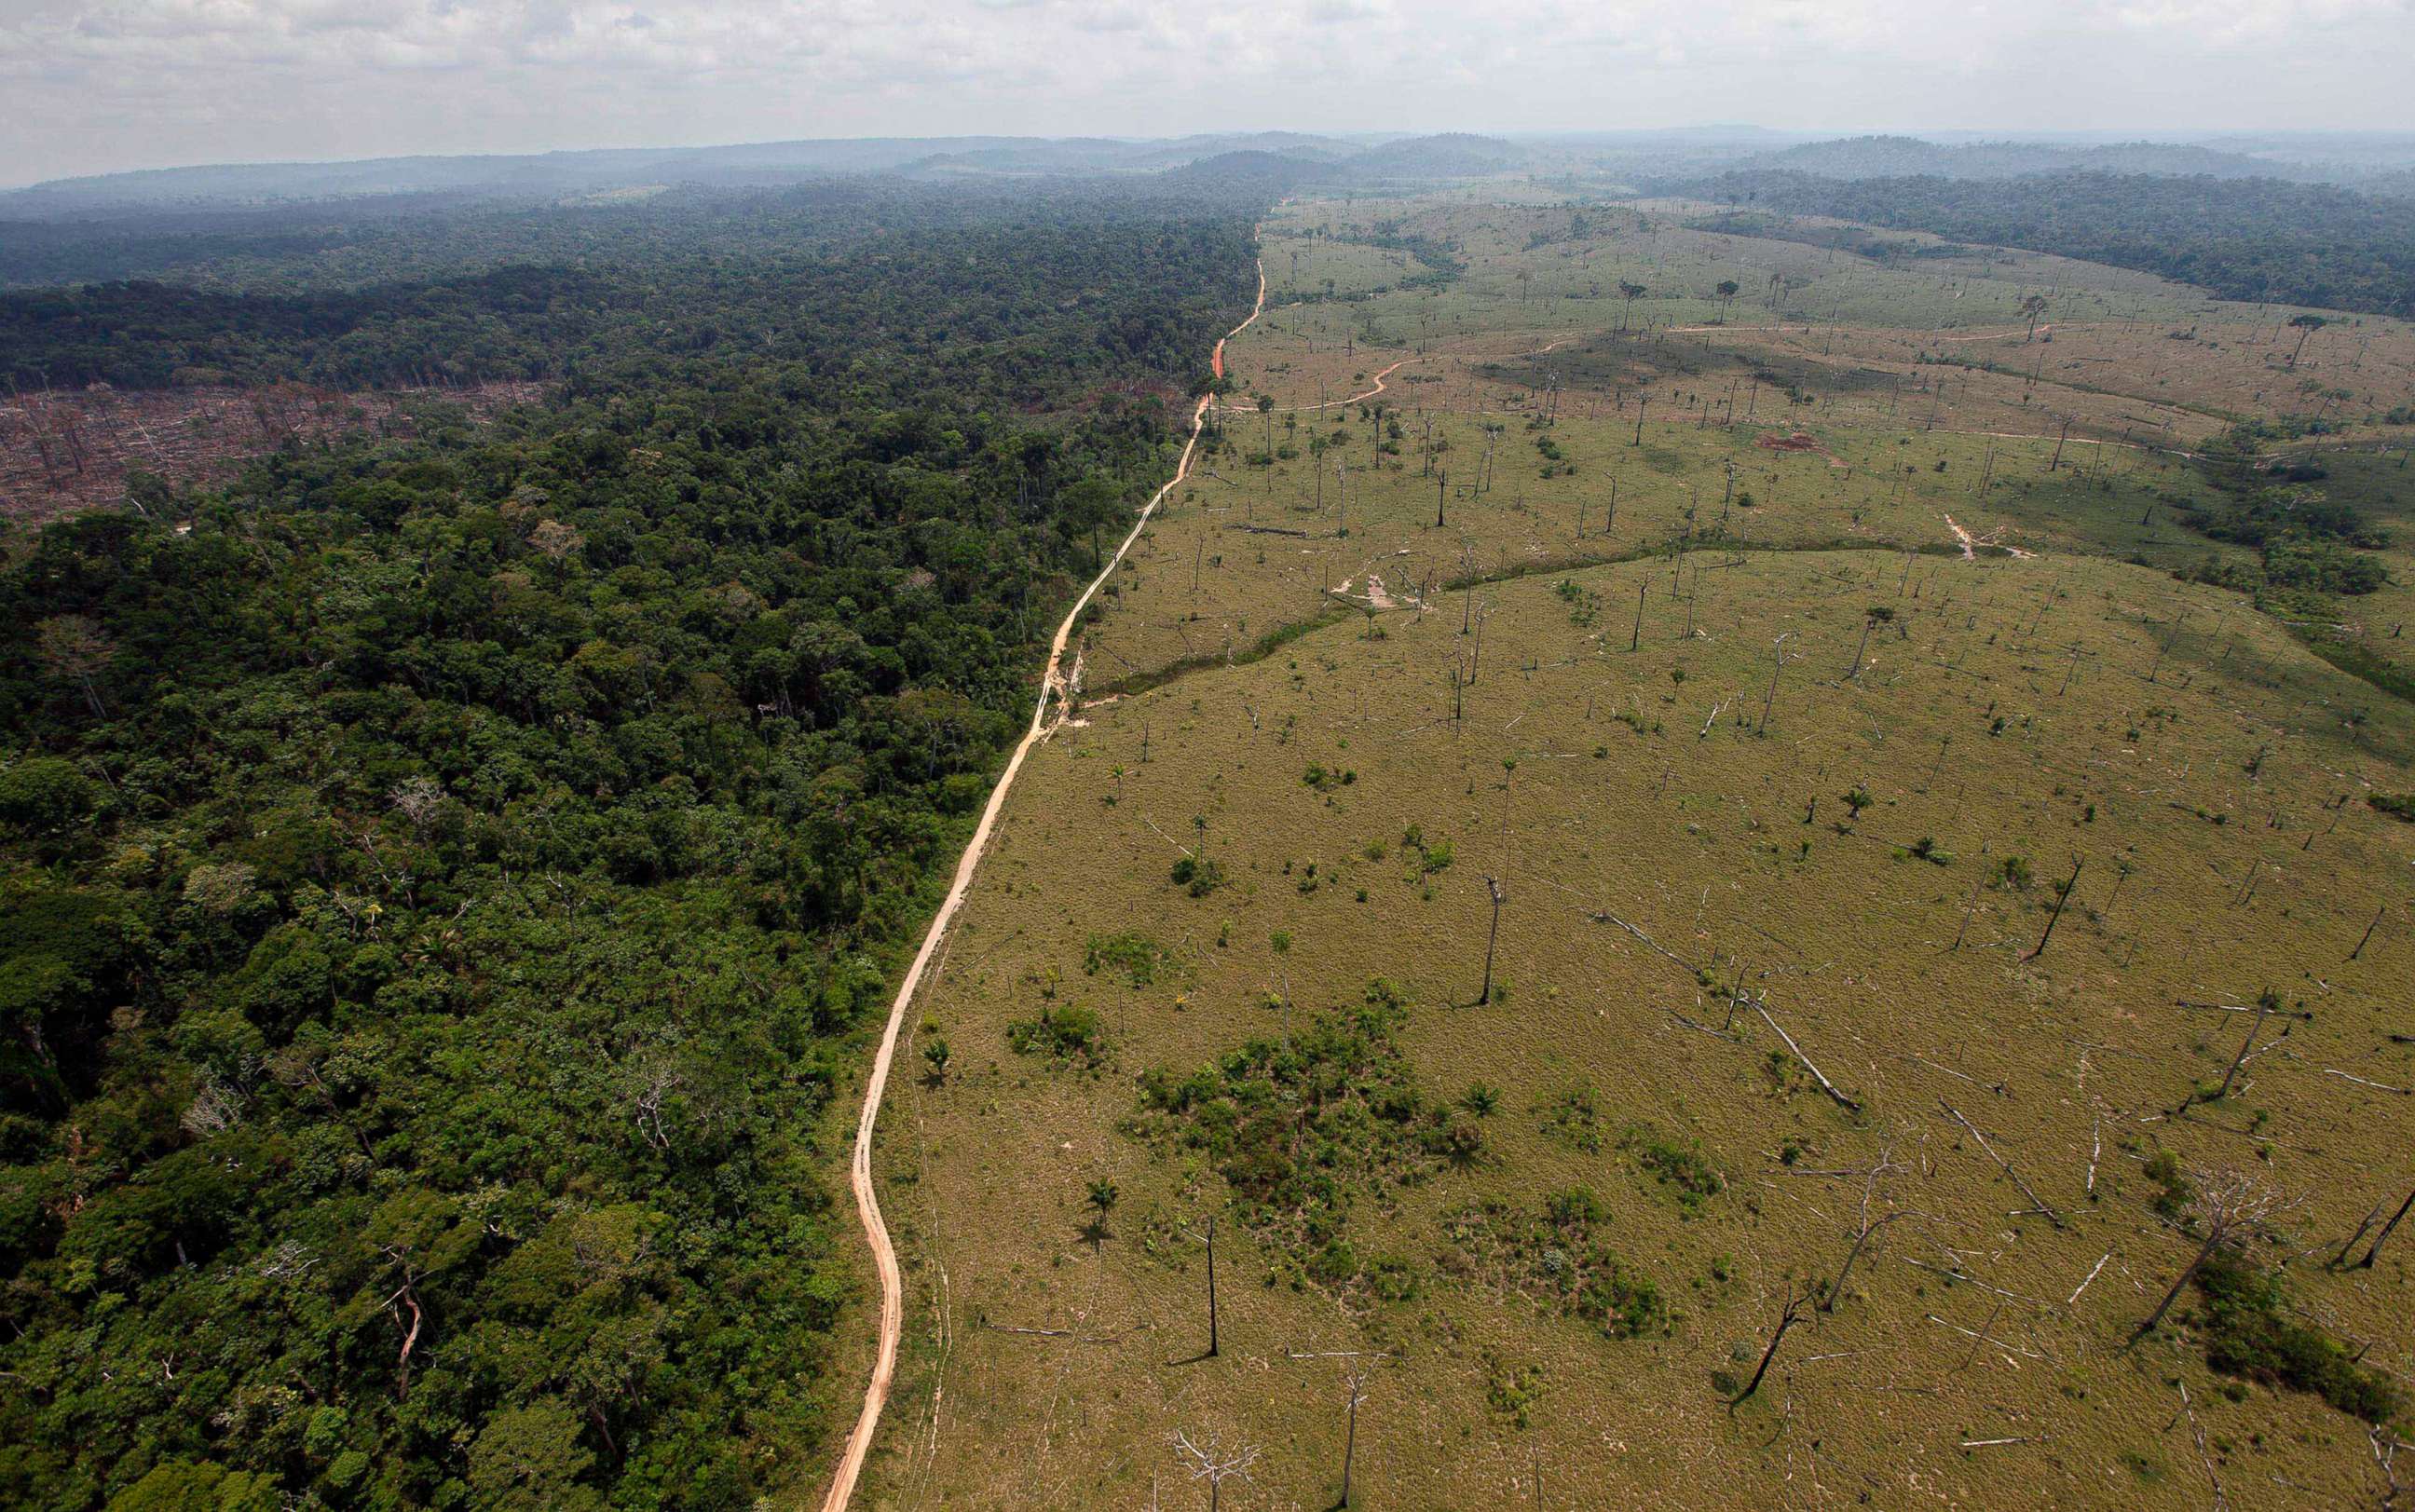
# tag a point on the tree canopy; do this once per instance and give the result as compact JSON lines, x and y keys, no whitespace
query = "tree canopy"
{"x":442,"y":885}
{"x":2250,"y":239}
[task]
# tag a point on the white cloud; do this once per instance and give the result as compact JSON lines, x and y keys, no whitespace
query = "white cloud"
{"x":95,"y":84}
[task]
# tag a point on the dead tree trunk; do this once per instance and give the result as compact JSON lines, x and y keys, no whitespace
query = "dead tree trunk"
{"x":1785,"y":1321}
{"x":2203,"y":1252}
{"x":2368,"y":931}
{"x":2061,"y":899}
{"x":1492,"y":885}
{"x":1967,"y":908}
{"x":2037,"y":1204}
{"x":1778,"y":664}
{"x":2375,"y":1254}
{"x":1211,"y":1288}
{"x":1879,"y":1167}
{"x":1356,"y":1384}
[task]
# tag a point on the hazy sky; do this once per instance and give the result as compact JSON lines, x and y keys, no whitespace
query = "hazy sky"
{"x":92,"y":85}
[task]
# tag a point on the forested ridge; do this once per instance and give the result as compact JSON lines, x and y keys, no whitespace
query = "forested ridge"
{"x":2246,"y":239}
{"x":443,"y":888}
{"x":812,"y":277}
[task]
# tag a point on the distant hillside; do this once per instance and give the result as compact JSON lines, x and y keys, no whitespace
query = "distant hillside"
{"x":1100,"y":155}
{"x":560,"y":174}
{"x":1266,"y":174}
{"x":2399,"y":185}
{"x":495,"y":176}
{"x":2250,"y":239}
{"x":1909,"y":156}
{"x":1452,"y":154}
{"x":1295,"y":144}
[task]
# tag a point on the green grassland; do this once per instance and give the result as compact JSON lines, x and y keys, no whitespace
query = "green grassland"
{"x":2112,"y":332}
{"x":1778,"y":800}
{"x":1594,"y":784}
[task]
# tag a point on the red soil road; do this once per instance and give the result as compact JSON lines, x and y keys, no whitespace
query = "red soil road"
{"x":1055,"y":688}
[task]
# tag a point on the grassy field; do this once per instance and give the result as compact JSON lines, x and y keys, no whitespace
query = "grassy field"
{"x":1773,"y":804}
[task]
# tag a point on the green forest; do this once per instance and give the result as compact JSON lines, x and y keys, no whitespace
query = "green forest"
{"x":834,"y":283}
{"x":2251,"y":239}
{"x":443,"y":885}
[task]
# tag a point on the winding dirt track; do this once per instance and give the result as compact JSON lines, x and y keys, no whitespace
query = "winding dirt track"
{"x":1055,"y":688}
{"x":1364,"y":393}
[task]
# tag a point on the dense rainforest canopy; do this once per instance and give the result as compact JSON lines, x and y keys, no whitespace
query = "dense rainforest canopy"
{"x":829,"y":277}
{"x":2252,"y":239}
{"x":439,"y":884}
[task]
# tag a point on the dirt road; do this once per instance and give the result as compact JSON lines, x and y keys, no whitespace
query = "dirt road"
{"x":1054,"y":691}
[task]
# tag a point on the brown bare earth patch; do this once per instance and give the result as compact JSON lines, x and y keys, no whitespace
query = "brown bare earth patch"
{"x":64,"y":450}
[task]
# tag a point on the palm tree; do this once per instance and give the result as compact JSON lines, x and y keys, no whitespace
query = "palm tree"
{"x":1100,"y":1200}
{"x":1728,"y":288}
{"x":2307,"y":326}
{"x":1878,"y":614}
{"x":1632,"y":291}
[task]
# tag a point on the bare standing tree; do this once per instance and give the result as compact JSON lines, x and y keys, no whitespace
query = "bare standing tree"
{"x":1875,"y":616}
{"x":1778,"y":664}
{"x":2230,"y":1208}
{"x":1354,"y":1389}
{"x":2367,"y":938}
{"x":1214,"y":1463}
{"x":1500,"y":895}
{"x":1267,"y":411}
{"x":1786,"y":1320}
{"x":2386,"y":1446}
{"x":418,"y":800}
{"x":75,"y":650}
{"x":2375,"y":1254}
{"x":1212,"y":1287}
{"x":2267,"y":1003}
{"x":1865,"y":1225}
{"x":2062,"y":897}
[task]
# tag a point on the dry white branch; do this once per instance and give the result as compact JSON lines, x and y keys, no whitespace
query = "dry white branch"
{"x":2038,"y":1202}
{"x":2092,"y":1276}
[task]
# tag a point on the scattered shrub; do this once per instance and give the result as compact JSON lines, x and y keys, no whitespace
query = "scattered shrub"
{"x":1681,"y":1166}
{"x":1199,"y":876}
{"x":1063,"y":1033}
{"x":2250,"y":1334}
{"x":1129,"y":954}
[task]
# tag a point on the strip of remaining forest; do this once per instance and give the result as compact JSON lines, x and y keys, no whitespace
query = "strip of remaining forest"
{"x":2247,"y":239}
{"x":444,"y":884}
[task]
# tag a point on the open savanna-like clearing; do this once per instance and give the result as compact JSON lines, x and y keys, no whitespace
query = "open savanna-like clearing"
{"x":1337,"y":813}
{"x":1742,"y":964}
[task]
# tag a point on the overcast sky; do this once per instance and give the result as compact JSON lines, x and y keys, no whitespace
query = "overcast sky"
{"x":93,"y":86}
